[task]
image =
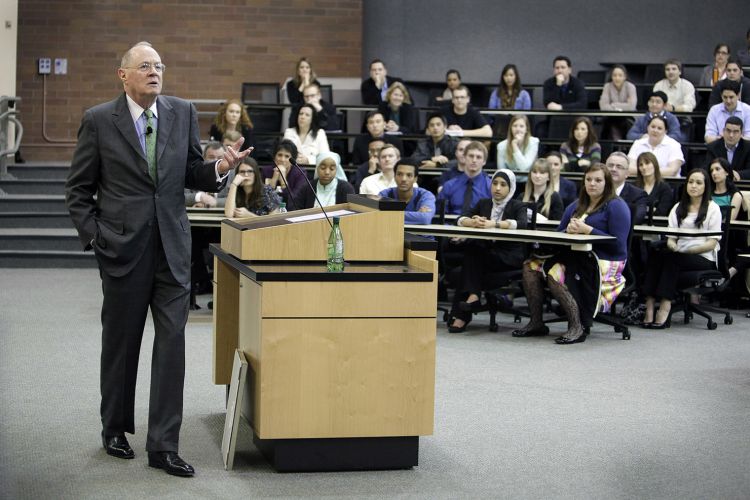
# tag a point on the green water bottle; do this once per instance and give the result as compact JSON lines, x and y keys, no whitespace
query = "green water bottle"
{"x":335,"y":249}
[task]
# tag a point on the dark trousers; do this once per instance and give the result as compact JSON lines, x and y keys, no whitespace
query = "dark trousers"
{"x":663,"y":271}
{"x":124,"y":310}
{"x":479,"y":260}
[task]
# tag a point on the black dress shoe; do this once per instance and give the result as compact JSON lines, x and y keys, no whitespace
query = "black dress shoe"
{"x":534,"y":332}
{"x":117,"y":446}
{"x":171,"y":462}
{"x":659,"y":326}
{"x":458,"y":329}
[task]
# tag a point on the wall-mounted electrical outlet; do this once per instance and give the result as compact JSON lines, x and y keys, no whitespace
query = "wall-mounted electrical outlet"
{"x":45,"y":65}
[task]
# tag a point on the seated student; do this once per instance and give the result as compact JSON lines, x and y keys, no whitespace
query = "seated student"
{"x":618,"y":165}
{"x":375,"y":123}
{"x":399,"y":113}
{"x":369,"y":167}
{"x":581,"y":149}
{"x":565,"y":187}
{"x":465,"y":190}
{"x":659,"y":194}
{"x":283,"y":177}
{"x":519,"y":150}
{"x":549,"y":204}
{"x":331,"y":187}
{"x":232,"y":115}
{"x":598,"y":210}
{"x":500,"y":211}
{"x":732,"y":147}
{"x":743,"y":55}
{"x":455,"y":167}
{"x":723,"y":191}
{"x":734,"y":74}
{"x":731,"y":106}
{"x":326,"y":112}
{"x":387,"y":158}
{"x":200,"y":199}
{"x":303,"y":76}
{"x":420,"y":203}
{"x":374,"y":88}
{"x":680,"y":92}
{"x":697,"y":253}
{"x":452,"y":82}
{"x":717,"y":71}
{"x":509,"y":94}
{"x":618,"y":94}
{"x":667,"y":150}
{"x":307,"y":135}
{"x":464,"y":119}
{"x":248,"y":195}
{"x":564,"y":91}
{"x":439,"y":148}
{"x":725,"y":194}
{"x":656,"y":102}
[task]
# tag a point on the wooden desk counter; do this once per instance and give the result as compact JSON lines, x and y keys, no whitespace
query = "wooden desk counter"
{"x":580,"y":242}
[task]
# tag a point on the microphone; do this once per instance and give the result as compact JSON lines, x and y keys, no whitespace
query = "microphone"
{"x":149,"y":130}
{"x":315,"y":194}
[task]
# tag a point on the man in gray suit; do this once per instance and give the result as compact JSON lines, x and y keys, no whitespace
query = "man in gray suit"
{"x":125,"y":193}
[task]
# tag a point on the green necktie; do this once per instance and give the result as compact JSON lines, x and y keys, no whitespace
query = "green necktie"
{"x":151,"y":145}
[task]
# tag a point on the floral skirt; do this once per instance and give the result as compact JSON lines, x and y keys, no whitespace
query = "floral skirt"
{"x":611,"y":281}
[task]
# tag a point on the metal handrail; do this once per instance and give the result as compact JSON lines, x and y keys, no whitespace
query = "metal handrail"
{"x":8,"y":115}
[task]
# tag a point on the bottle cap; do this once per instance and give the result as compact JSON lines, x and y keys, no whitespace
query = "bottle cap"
{"x":335,"y":219}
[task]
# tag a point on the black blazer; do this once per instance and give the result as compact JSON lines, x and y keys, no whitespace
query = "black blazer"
{"x":510,"y":253}
{"x":307,"y":200}
{"x":740,"y":161}
{"x":370,"y":93}
{"x":662,"y":198}
{"x":408,"y":115}
{"x":635,"y":196}
{"x":111,"y":197}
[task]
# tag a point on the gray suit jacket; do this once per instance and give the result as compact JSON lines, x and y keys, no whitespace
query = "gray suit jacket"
{"x":109,"y":162}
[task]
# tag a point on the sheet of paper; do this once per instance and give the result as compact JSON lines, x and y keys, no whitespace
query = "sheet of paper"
{"x":304,"y":218}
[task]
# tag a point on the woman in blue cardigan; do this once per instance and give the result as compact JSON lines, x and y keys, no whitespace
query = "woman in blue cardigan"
{"x":582,"y":282}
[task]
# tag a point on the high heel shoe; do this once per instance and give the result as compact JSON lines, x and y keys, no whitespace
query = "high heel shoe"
{"x":532,"y":332}
{"x":472,"y":307}
{"x":565,"y":340}
{"x":457,"y":329}
{"x":660,"y":326}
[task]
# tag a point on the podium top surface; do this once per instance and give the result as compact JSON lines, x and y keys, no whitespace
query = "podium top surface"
{"x":316,"y":271}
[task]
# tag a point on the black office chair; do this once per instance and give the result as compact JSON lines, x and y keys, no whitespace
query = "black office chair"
{"x":596,"y":77}
{"x":706,"y":284}
{"x":653,"y":73}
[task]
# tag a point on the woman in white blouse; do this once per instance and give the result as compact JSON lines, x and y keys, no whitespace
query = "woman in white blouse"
{"x":309,"y":138}
{"x":519,"y":150}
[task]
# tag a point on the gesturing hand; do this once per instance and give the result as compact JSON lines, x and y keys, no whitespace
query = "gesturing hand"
{"x":233,"y":156}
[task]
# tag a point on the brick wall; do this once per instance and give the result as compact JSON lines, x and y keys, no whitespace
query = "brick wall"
{"x":209,"y":46}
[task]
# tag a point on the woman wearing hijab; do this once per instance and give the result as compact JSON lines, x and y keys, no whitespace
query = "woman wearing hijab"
{"x":487,"y":256}
{"x":331,"y":186}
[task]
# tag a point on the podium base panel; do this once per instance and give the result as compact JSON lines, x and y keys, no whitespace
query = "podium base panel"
{"x":340,"y":454}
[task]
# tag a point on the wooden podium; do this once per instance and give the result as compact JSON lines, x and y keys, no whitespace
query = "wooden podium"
{"x":341,"y":365}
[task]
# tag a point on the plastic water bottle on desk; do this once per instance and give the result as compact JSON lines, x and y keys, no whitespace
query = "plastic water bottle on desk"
{"x":282,"y":208}
{"x":335,"y":249}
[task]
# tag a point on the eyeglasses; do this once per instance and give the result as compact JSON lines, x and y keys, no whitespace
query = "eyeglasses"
{"x":618,"y":167}
{"x":145,"y":67}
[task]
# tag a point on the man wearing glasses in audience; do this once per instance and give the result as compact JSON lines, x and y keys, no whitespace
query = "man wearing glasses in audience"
{"x":327,"y":119}
{"x":618,"y":164}
{"x":464,"y":119}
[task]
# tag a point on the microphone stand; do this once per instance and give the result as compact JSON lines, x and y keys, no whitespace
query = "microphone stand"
{"x":315,"y":194}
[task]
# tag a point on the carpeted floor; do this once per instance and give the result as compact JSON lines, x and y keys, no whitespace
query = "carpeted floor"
{"x":664,"y":415}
